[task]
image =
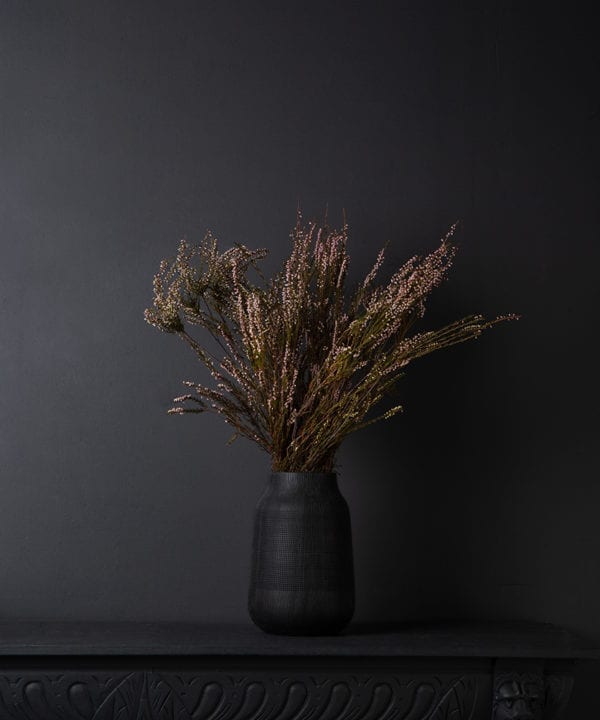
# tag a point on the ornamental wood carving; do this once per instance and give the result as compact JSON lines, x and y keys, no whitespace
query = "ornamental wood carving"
{"x":154,"y":695}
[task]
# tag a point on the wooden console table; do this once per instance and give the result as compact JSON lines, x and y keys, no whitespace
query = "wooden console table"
{"x":166,"y":671}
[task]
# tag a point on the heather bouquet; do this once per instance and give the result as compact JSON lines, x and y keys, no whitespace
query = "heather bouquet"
{"x":297,"y":362}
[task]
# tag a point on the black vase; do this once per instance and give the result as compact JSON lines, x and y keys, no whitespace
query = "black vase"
{"x":302,"y":577}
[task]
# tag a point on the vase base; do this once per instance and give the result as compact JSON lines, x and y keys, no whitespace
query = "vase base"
{"x":319,"y":612}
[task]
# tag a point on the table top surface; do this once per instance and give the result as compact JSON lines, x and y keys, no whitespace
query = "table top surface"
{"x":450,"y":639}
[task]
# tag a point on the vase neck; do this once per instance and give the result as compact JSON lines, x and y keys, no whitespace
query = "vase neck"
{"x":304,"y":482}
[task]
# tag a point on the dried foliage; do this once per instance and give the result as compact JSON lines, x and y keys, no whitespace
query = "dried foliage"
{"x":300,"y":365}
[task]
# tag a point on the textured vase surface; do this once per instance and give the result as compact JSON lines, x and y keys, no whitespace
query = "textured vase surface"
{"x":302,"y":576}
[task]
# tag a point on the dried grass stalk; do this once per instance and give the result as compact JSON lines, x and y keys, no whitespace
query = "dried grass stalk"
{"x":300,"y":366}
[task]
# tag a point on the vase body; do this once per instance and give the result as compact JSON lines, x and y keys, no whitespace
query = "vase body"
{"x":302,"y":573}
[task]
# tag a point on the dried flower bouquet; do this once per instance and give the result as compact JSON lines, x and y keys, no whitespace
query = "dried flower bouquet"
{"x":299,"y":364}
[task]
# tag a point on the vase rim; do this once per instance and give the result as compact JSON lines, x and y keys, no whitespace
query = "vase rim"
{"x":277,"y":473}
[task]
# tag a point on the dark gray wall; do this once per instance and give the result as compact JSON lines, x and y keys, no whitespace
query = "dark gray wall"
{"x":128,"y":125}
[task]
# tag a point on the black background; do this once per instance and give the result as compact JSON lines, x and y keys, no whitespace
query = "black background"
{"x":127,"y":125}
